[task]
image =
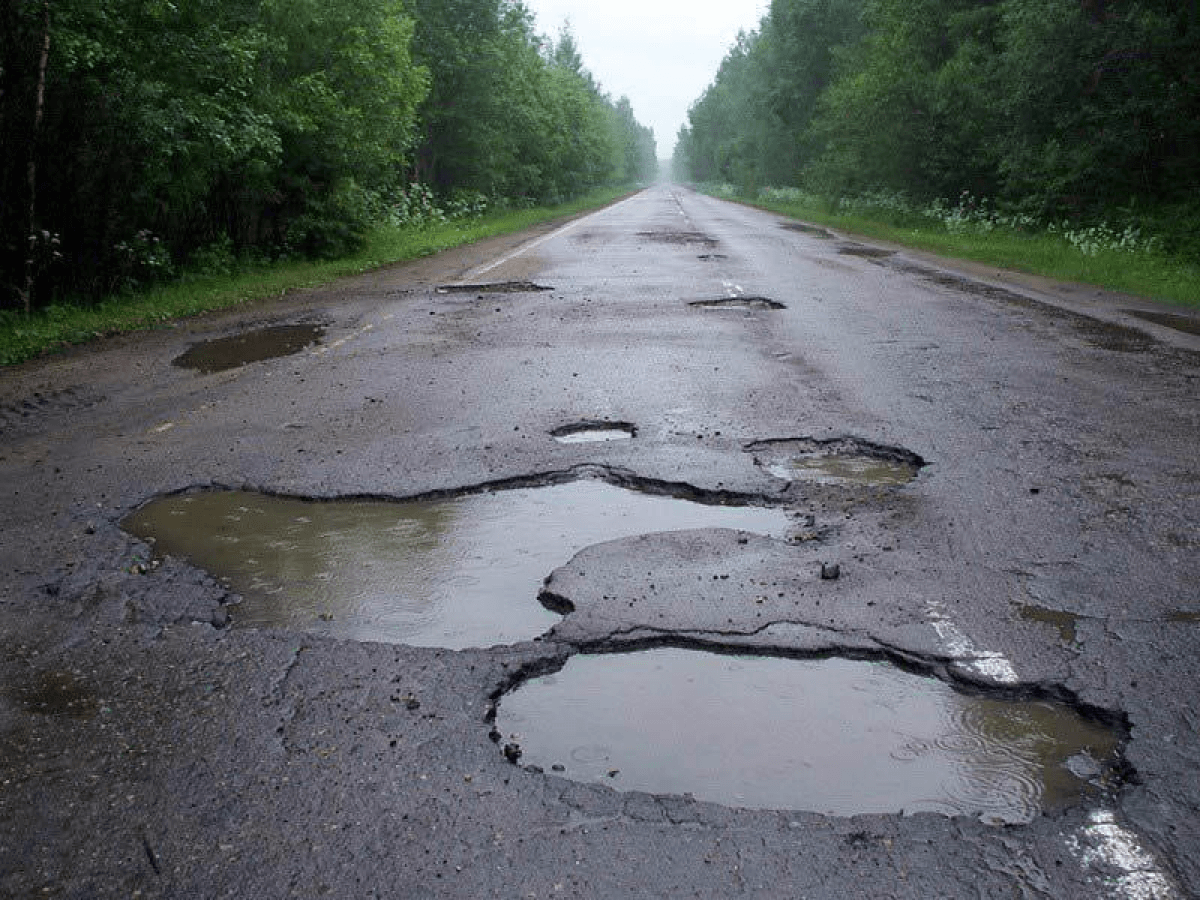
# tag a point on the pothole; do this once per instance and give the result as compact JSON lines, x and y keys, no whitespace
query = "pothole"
{"x":1065,"y":622}
{"x":270,"y":342}
{"x":1169,"y":320}
{"x":678,"y":237}
{"x":712,"y":257}
{"x":454,"y":571}
{"x":811,"y":230}
{"x":864,"y":252}
{"x":836,"y":736}
{"x":844,"y":461}
{"x":494,"y":287}
{"x":739,"y":303}
{"x":593,"y":432}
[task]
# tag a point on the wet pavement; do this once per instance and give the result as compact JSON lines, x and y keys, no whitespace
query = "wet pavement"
{"x":982,"y":492}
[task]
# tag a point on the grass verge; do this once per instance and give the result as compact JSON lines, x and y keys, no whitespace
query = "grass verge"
{"x":1155,"y":276}
{"x":25,"y":337}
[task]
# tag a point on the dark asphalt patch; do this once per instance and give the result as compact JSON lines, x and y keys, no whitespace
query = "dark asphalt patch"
{"x":459,"y":569}
{"x":846,"y":461}
{"x":59,"y":694}
{"x":1169,"y":320}
{"x":271,"y":342}
{"x":496,"y":287}
{"x":594,"y":431}
{"x":739,"y":303}
{"x":830,"y":735}
{"x":865,"y":252}
{"x":810,"y":230}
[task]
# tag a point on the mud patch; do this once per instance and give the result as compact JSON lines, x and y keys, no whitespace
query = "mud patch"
{"x":497,"y":287}
{"x":249,"y":347}
{"x":836,"y":736}
{"x":59,"y":694}
{"x":594,"y":432}
{"x":1169,"y":320}
{"x":810,"y":230}
{"x":841,"y":461}
{"x":678,"y":237}
{"x":454,"y":571}
{"x":754,"y":303}
{"x":1065,"y":622}
{"x":864,"y":252}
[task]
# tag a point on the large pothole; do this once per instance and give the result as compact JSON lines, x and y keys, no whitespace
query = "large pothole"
{"x":835,"y":735}
{"x":270,"y":342}
{"x":454,"y":571}
{"x":842,"y":461}
{"x":748,"y":303}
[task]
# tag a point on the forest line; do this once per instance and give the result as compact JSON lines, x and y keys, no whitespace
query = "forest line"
{"x":143,"y":138}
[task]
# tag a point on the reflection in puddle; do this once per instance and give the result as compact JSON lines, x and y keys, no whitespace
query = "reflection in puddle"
{"x":1065,"y":622}
{"x":594,"y":432}
{"x":251,"y":346}
{"x":461,"y":572}
{"x":833,"y":736}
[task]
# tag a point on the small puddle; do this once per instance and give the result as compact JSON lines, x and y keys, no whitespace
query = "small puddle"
{"x":1169,"y":320}
{"x":59,"y":694}
{"x":252,"y":346}
{"x":458,"y":572}
{"x":844,"y":461}
{"x":496,"y":287}
{"x":1065,"y":622}
{"x":594,"y":432}
{"x":834,"y":736}
{"x":739,"y":303}
{"x":1183,"y":616}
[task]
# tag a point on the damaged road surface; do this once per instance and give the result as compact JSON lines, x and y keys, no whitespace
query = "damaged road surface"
{"x":674,"y":550}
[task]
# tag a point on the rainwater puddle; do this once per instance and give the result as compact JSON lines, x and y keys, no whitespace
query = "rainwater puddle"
{"x":251,"y":346}
{"x":1065,"y":622}
{"x":495,"y":287}
{"x":1183,"y":616}
{"x":458,"y":572}
{"x":844,"y":461}
{"x":833,"y":736}
{"x":594,"y":432}
{"x":739,"y":303}
{"x":59,"y":694}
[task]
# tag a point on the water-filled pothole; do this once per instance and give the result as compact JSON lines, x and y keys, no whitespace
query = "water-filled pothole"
{"x":739,"y":303}
{"x":845,"y":461}
{"x":1169,"y":320}
{"x":811,"y":230}
{"x":252,"y":346}
{"x":678,"y":237}
{"x":593,"y":432}
{"x":1065,"y":622}
{"x":495,"y":287}
{"x":835,"y":736}
{"x":462,"y":571}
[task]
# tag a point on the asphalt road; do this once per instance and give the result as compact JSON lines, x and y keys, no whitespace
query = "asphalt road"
{"x":1047,"y":549}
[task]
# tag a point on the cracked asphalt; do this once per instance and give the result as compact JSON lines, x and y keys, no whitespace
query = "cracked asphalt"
{"x":148,"y":748}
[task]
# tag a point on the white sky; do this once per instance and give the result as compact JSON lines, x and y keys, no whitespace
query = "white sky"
{"x":661,"y":54}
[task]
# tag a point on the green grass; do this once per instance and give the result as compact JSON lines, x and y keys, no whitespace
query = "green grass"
{"x":1149,"y":275}
{"x":25,"y":337}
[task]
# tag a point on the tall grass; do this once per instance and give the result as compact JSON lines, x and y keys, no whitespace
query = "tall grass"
{"x":24,"y":337}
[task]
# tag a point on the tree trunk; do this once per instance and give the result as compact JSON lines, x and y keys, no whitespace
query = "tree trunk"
{"x":39,"y":104}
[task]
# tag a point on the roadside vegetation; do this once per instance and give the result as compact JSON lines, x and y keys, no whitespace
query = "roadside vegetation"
{"x":157,"y":158}
{"x":1055,"y":136}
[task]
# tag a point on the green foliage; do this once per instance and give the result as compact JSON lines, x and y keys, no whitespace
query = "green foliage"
{"x":1057,"y":109}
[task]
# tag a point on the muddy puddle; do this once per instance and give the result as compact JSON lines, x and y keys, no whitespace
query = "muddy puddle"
{"x":1064,"y":622}
{"x":834,"y":736}
{"x":750,"y":303}
{"x":594,"y":432}
{"x":252,"y":346}
{"x":458,"y":572}
{"x":842,"y":462}
{"x":59,"y":694}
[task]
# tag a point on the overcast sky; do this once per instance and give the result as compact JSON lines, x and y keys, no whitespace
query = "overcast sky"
{"x":661,"y":54}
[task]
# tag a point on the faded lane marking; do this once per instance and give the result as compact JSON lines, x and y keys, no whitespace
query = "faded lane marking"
{"x":985,"y":662}
{"x":1104,"y":844}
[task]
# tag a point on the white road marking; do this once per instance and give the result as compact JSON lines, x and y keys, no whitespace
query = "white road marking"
{"x":1104,"y":843}
{"x":986,"y":662}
